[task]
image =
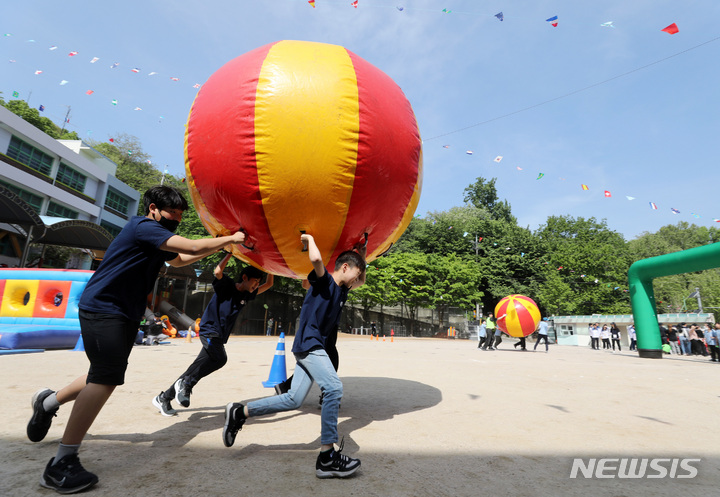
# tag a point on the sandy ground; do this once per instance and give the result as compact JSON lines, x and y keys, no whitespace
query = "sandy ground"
{"x":427,"y":417}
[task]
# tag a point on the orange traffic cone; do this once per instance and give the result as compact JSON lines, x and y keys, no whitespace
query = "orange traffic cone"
{"x":278,"y":373}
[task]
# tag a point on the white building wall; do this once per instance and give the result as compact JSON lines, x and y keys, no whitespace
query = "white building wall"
{"x":97,"y":168}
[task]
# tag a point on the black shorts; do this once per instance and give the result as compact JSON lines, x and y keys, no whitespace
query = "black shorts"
{"x":108,"y":340}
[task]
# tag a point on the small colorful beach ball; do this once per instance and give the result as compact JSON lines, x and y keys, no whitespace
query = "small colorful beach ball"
{"x":517,"y":315}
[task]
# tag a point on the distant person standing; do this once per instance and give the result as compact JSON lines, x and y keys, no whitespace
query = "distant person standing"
{"x":268,"y":331}
{"x":615,"y":335}
{"x":605,"y":335}
{"x":632,"y":336}
{"x":672,"y":337}
{"x":683,"y":334}
{"x":542,"y":331}
{"x":712,"y":343}
{"x":594,"y":331}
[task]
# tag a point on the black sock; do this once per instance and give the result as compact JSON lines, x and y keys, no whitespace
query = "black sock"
{"x":325,"y":455}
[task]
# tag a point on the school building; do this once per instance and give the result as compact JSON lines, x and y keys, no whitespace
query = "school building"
{"x":56,"y":192}
{"x":573,"y":330}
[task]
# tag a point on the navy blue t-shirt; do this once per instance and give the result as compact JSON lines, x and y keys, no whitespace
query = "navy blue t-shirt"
{"x":320,"y":313}
{"x":128,"y":271}
{"x":223,"y":309}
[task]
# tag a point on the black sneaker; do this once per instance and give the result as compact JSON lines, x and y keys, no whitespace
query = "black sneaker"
{"x":67,"y":476}
{"x":338,"y":466}
{"x":41,"y":419}
{"x":182,"y":393}
{"x":164,"y":406}
{"x":234,"y":421}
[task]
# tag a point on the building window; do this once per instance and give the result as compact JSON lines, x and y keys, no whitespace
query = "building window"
{"x":70,"y":177}
{"x":117,"y":201}
{"x":29,"y":155}
{"x":57,"y":210}
{"x":110,"y":228}
{"x":34,"y":201}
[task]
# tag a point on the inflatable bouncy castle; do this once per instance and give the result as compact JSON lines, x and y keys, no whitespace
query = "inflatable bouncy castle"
{"x":39,"y":308}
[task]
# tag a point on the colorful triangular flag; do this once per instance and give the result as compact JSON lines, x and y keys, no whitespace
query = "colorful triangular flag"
{"x":608,"y":194}
{"x":584,"y":187}
{"x":672,"y":29}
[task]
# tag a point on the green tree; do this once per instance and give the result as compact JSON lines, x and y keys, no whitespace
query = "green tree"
{"x":591,"y":259}
{"x":483,"y":195}
{"x":32,"y":116}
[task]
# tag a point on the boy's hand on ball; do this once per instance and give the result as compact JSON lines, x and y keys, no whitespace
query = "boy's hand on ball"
{"x":238,"y":237}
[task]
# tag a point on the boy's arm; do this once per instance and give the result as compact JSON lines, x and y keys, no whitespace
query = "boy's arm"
{"x":190,"y":251}
{"x":218,"y":271}
{"x":314,"y":254}
{"x":360,"y":281}
{"x":267,"y":285}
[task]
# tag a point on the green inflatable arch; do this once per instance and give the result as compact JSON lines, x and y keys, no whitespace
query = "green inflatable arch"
{"x":642,"y":297}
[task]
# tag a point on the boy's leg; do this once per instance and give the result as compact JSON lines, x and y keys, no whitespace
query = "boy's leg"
{"x":210,"y":358}
{"x":293,"y":399}
{"x":108,"y":340}
{"x":330,"y":463}
{"x":45,"y":404}
{"x":236,"y":413}
{"x":318,"y":366}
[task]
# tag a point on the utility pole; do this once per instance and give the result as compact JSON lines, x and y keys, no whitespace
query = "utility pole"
{"x":67,"y":120}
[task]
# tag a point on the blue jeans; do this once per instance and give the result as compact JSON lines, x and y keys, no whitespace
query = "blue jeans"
{"x":312,"y":366}
{"x":685,"y":345}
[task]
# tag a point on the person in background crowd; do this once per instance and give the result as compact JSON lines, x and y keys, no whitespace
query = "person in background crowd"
{"x":711,"y":340}
{"x":615,"y":334}
{"x":595,"y":336}
{"x":632,"y":336}
{"x":605,"y":335}
{"x":683,"y":335}
{"x":672,"y":336}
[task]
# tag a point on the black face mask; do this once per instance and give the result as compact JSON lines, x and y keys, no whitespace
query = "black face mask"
{"x":168,"y":224}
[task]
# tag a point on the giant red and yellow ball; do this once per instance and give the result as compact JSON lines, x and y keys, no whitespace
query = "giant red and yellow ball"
{"x":517,"y":315}
{"x":302,"y":136}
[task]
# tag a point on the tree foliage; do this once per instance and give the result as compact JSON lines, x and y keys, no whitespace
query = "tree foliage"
{"x":44,"y":124}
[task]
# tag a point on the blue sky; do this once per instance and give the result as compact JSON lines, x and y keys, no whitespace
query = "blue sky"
{"x":651,"y":133}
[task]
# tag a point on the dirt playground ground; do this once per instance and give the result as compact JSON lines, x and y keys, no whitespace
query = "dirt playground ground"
{"x":427,"y":417}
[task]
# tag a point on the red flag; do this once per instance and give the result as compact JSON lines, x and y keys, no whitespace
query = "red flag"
{"x":672,"y":29}
{"x":354,"y":4}
{"x":312,"y":2}
{"x":111,"y":140}
{"x":607,"y":194}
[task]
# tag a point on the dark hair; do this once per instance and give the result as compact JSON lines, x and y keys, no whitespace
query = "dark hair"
{"x":164,"y":197}
{"x":251,"y":272}
{"x":351,"y":258}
